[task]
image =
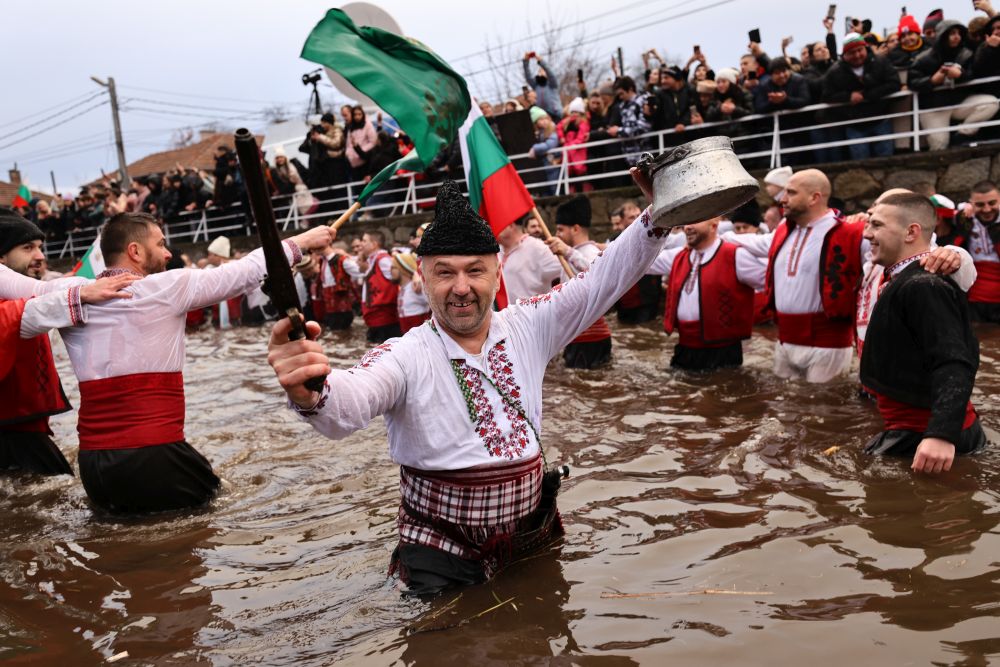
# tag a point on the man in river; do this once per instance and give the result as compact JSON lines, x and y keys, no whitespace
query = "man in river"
{"x":920,"y":356}
{"x":129,"y":360}
{"x":462,"y":396}
{"x":30,"y":390}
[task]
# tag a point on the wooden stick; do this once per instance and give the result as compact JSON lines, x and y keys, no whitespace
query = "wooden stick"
{"x":347,"y":215}
{"x":548,"y":235}
{"x":673,"y":594}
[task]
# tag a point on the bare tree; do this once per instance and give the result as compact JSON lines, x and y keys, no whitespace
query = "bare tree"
{"x":181,"y":137}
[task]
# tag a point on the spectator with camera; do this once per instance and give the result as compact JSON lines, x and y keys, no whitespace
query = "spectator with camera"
{"x":862,"y":81}
{"x":544,"y":84}
{"x":986,"y":61}
{"x":934,"y":75}
{"x":326,"y":147}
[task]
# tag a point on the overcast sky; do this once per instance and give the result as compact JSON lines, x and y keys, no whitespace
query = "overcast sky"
{"x":184,"y":63}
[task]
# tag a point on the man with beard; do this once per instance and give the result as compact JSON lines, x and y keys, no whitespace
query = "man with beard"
{"x":814,"y":267}
{"x":462,"y":396}
{"x":921,"y":357}
{"x":981,"y":242}
{"x":129,"y":360}
{"x":30,"y":391}
{"x":710,"y":297}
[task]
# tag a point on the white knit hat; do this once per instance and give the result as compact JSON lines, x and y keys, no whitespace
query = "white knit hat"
{"x":779,"y":177}
{"x":220,"y":246}
{"x":577,"y":105}
{"x":727,"y":73}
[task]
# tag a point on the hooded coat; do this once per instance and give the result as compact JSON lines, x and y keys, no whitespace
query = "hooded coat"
{"x":987,"y":59}
{"x":930,"y":61}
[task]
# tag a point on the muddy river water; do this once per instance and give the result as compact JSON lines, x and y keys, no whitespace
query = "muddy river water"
{"x":707,"y":522}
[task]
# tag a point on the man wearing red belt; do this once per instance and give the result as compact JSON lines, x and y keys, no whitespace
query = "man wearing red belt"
{"x":592,"y":348}
{"x":710,"y":298}
{"x":920,"y":356}
{"x":129,"y":361}
{"x":813,"y":271}
{"x":30,"y":390}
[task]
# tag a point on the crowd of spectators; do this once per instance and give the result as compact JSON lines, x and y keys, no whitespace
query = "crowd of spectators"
{"x":858,"y":77}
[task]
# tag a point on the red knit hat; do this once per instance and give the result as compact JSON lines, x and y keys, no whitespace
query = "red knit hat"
{"x":908,"y":24}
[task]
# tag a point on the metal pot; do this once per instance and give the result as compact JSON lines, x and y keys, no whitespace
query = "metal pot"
{"x":697,"y":181}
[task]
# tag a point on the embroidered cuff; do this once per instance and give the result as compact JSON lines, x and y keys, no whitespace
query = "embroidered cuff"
{"x":76,"y":312}
{"x":296,"y":251}
{"x":652,"y":231}
{"x":324,"y":396}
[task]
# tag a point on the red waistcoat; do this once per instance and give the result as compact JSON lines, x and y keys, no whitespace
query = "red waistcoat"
{"x":726,"y":304}
{"x":30,"y":390}
{"x":379,"y":307}
{"x":840,"y":268}
{"x":336,"y":298}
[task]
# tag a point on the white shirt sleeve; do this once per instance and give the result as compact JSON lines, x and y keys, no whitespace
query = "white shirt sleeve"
{"x":352,"y":398}
{"x":750,"y":270}
{"x":759,"y":245}
{"x":576,"y":260}
{"x":664,"y":262}
{"x":54,"y":310}
{"x":966,"y":274}
{"x":13,"y":285}
{"x":385,"y":266}
{"x":561,"y":315}
{"x":352,"y":268}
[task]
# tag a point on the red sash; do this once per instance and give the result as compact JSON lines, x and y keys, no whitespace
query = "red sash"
{"x":235,"y":307}
{"x":814,"y":330}
{"x":132,"y":411}
{"x":903,"y":417}
{"x":986,"y":289}
{"x":597,"y":331}
{"x":30,"y":390}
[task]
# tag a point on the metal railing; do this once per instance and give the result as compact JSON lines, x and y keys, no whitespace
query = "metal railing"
{"x":768,"y":140}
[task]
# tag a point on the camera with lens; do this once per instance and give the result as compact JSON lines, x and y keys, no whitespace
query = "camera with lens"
{"x":311,"y":78}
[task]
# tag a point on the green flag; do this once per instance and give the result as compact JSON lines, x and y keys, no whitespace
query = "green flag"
{"x":403,"y":77}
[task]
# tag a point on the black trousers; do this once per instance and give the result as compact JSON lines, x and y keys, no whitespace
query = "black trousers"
{"x":588,"y":355}
{"x":31,"y":452}
{"x":707,"y":358}
{"x":338,"y":321}
{"x":382,"y":334}
{"x":638,"y":315}
{"x":147,"y":479}
{"x":905,"y":443}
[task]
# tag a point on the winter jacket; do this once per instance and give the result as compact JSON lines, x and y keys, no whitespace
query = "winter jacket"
{"x":878,"y":80}
{"x":930,"y":61}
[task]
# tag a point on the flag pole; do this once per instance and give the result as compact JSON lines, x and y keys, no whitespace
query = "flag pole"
{"x":346,"y":215}
{"x":548,"y":235}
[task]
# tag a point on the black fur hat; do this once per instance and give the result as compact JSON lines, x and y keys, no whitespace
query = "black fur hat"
{"x":574,"y":212}
{"x":457,"y":229}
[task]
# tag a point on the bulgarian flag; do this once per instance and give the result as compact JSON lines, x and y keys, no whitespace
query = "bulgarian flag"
{"x":407,"y":80}
{"x":431,"y":103}
{"x":23,"y":197}
{"x":92,"y":263}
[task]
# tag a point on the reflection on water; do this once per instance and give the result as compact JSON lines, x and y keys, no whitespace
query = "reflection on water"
{"x":680,"y":484}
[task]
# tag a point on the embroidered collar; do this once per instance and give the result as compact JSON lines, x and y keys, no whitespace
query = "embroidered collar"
{"x":455,"y":351}
{"x":108,"y":273}
{"x":706,"y":255}
{"x":894,"y":270}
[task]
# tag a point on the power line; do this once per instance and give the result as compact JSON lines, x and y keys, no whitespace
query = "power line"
{"x":631,"y":25}
{"x":203,"y":97}
{"x":70,"y":102}
{"x":50,"y":117}
{"x":188,"y":114}
{"x":52,"y":127}
{"x":186,"y":106}
{"x":617,"y":10}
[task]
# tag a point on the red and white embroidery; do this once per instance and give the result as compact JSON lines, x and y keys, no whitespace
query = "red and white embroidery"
{"x":512,"y":445}
{"x":372,"y":355}
{"x":540,"y":298}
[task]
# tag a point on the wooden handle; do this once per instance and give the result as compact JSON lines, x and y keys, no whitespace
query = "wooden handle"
{"x":347,"y":215}
{"x":545,"y":229}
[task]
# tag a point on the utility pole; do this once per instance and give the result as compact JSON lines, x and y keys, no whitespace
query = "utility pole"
{"x":122,"y":169}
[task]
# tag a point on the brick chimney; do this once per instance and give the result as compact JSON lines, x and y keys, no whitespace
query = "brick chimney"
{"x":15,"y":175}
